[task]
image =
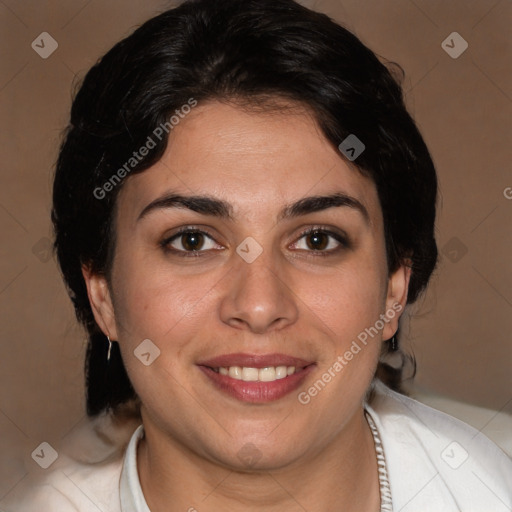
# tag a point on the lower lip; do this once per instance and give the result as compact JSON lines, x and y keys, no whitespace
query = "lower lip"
{"x":256,"y":391}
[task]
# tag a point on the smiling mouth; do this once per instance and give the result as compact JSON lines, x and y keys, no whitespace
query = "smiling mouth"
{"x":256,"y":378}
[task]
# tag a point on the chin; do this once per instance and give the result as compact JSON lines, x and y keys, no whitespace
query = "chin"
{"x":262,"y":455}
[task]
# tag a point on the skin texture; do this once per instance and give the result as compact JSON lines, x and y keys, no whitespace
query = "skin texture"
{"x":290,"y":300}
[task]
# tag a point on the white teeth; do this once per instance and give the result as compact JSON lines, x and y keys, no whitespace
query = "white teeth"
{"x":281,"y":372}
{"x":235,"y":372}
{"x":250,"y":374}
{"x":268,"y":374}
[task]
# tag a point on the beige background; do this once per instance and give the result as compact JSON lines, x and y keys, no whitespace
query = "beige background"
{"x":460,"y":331}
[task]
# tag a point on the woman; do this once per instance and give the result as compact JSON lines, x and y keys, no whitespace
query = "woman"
{"x":243,"y":209}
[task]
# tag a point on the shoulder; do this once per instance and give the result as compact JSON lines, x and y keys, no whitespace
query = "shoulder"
{"x":436,"y":462}
{"x":85,"y":476}
{"x":71,"y":487}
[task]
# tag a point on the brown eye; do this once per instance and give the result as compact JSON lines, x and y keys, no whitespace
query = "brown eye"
{"x":317,"y":241}
{"x":192,"y":241}
{"x":321,"y":241}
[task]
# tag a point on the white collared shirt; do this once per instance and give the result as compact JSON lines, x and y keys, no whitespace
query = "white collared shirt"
{"x":435,"y":463}
{"x":132,"y":498}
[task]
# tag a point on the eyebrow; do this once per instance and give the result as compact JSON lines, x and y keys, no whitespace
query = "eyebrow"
{"x":218,"y":208}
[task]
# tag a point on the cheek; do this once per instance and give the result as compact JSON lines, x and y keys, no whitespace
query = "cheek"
{"x":154,"y":303}
{"x":349,"y":299}
{"x":165,"y":314}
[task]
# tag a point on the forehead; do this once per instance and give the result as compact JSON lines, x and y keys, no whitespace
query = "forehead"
{"x":255,"y":160}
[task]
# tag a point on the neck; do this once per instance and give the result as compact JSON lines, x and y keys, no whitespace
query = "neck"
{"x":341,"y":476}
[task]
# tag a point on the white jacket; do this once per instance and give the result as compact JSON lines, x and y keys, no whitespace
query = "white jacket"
{"x":435,"y":463}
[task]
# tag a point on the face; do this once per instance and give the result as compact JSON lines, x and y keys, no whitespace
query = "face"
{"x":253,"y":257}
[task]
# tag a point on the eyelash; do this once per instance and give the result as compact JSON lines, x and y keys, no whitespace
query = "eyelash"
{"x":183,"y":231}
{"x":342,"y":240}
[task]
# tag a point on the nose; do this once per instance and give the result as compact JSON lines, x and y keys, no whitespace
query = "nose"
{"x":258,"y":299}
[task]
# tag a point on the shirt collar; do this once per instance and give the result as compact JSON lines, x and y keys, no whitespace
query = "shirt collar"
{"x":132,"y":498}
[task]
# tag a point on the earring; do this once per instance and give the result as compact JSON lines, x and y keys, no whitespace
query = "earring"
{"x":109,"y":348}
{"x":394,"y":343}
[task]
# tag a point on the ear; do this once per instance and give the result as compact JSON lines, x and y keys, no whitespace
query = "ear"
{"x":396,"y":299}
{"x":101,"y":302}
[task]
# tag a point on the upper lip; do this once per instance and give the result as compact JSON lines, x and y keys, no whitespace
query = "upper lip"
{"x":254,"y":361}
